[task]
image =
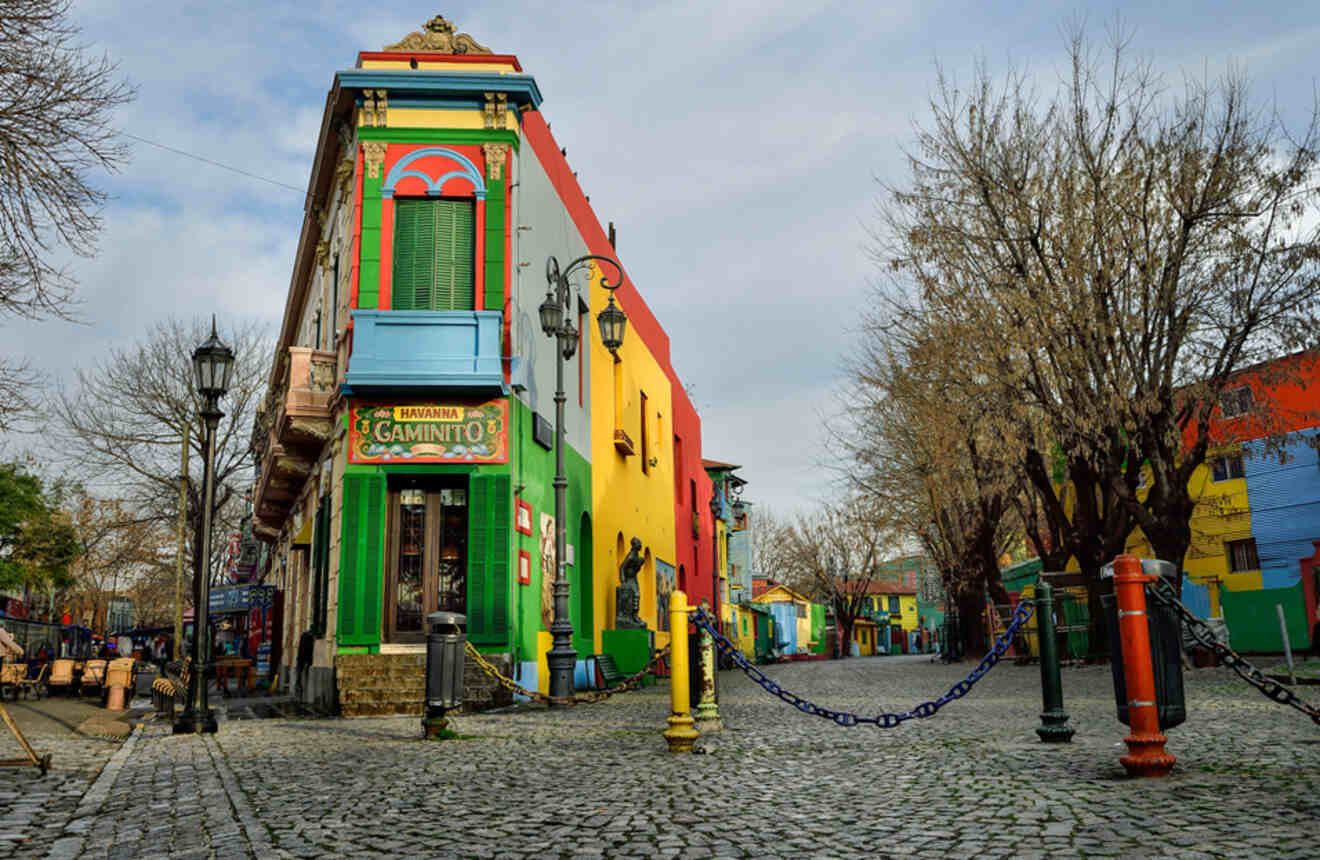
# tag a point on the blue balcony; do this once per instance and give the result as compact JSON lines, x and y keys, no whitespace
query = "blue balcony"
{"x":395,"y":350}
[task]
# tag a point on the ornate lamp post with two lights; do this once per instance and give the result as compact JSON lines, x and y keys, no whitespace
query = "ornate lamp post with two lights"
{"x":557,"y":322}
{"x":213,"y":364}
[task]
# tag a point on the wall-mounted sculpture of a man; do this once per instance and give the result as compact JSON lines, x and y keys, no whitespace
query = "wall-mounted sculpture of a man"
{"x":628,"y":596}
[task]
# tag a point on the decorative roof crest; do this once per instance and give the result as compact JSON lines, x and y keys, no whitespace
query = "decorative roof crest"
{"x":438,"y":36}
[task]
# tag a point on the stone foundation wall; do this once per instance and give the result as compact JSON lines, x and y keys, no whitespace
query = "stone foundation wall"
{"x":380,"y":684}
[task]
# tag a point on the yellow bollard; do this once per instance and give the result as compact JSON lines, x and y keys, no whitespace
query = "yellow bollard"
{"x":680,"y":733}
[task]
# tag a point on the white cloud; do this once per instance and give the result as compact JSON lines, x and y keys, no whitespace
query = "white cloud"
{"x":735,"y":144}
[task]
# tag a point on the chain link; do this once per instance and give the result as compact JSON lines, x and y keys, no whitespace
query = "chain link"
{"x":587,"y":698}
{"x":882,"y":720}
{"x":1205,"y":636}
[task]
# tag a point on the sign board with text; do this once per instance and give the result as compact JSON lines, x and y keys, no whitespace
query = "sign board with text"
{"x":429,"y":432}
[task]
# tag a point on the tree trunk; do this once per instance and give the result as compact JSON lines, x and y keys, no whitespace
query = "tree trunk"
{"x":971,"y":620}
{"x":845,"y":642}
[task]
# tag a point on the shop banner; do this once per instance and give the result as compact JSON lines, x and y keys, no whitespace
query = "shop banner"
{"x":239,"y":598}
{"x":429,"y":433}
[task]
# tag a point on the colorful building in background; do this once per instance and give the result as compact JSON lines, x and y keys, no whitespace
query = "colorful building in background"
{"x":793,"y":619}
{"x":730,"y":516}
{"x":1258,"y":513}
{"x":896,"y":585}
{"x":405,"y":451}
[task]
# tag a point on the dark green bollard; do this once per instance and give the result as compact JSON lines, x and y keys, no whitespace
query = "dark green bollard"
{"x":1054,"y":726}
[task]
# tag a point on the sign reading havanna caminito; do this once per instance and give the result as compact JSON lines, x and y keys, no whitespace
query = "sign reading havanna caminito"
{"x":429,"y":432}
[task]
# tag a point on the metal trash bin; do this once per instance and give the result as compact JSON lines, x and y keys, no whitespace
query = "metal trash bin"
{"x":1165,"y":628}
{"x":445,"y":643}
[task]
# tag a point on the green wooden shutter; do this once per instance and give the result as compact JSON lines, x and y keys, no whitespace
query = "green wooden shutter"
{"x":434,"y":246}
{"x":405,"y":240}
{"x":361,"y":569}
{"x":478,"y":559}
{"x":489,"y":523}
{"x":501,"y":504}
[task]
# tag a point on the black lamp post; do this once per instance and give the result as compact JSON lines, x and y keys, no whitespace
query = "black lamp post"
{"x":557,"y":322}
{"x":213,"y":363}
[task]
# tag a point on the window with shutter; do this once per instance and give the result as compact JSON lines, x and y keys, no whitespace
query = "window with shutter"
{"x":489,"y":524}
{"x":362,"y":540}
{"x":434,"y":247}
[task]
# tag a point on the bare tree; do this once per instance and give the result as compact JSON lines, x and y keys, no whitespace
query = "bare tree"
{"x":56,"y":104}
{"x":1111,"y":257}
{"x":127,"y":418}
{"x":835,"y":554}
{"x":769,"y":548}
{"x":918,"y":451}
{"x":116,"y":549}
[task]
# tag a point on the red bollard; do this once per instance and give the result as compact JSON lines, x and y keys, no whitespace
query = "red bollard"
{"x":1146,"y":755}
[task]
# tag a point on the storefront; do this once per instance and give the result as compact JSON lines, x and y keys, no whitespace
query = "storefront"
{"x":245,"y":624}
{"x":427,"y":510}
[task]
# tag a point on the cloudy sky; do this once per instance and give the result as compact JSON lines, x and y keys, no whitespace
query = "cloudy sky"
{"x":736,"y":145}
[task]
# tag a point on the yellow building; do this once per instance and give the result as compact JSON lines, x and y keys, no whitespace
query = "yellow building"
{"x":1221,"y":518}
{"x":632,"y":473}
{"x":864,"y":634}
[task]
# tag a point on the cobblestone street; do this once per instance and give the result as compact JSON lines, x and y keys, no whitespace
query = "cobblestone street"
{"x":973,"y":781}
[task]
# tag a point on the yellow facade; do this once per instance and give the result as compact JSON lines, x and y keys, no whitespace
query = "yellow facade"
{"x":1221,"y":515}
{"x":722,"y":571}
{"x":502,"y":68}
{"x":908,"y":619}
{"x":864,"y":633}
{"x":629,"y":500}
{"x":430,"y":118}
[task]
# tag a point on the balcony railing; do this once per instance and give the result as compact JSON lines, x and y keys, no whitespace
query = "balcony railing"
{"x":425,"y":349}
{"x":292,"y":426}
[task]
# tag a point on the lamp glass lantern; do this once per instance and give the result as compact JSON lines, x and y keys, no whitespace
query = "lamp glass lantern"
{"x":552,"y":314}
{"x":213,"y":365}
{"x":613,"y":322}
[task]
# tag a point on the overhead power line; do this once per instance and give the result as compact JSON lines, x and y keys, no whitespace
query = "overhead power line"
{"x":213,"y":163}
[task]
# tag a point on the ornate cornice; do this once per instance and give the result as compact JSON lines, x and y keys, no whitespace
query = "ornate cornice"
{"x":495,"y":153}
{"x":322,"y":254}
{"x":497,"y":110}
{"x":374,"y":152}
{"x":374,"y":108}
{"x":438,"y":35}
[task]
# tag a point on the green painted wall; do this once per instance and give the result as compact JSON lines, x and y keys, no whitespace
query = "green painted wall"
{"x":1253,"y":622}
{"x":494,"y":245}
{"x":534,"y":470}
{"x":369,"y":270}
{"x":818,"y":628}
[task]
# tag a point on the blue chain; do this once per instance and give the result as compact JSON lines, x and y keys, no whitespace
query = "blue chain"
{"x":883,"y":720}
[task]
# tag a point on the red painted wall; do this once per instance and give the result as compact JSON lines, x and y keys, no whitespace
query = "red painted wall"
{"x":1286,"y":398}
{"x":694,"y":554}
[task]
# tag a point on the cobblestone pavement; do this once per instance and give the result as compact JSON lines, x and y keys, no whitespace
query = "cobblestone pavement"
{"x":597,"y":780}
{"x":35,"y":810}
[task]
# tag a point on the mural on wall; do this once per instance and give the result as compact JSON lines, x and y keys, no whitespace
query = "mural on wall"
{"x":547,"y":570}
{"x":664,"y":586}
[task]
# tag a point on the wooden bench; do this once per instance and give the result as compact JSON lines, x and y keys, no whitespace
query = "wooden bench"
{"x":608,"y":673}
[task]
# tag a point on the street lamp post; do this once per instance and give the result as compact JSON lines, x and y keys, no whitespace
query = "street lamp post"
{"x":557,"y":322}
{"x":213,"y":362}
